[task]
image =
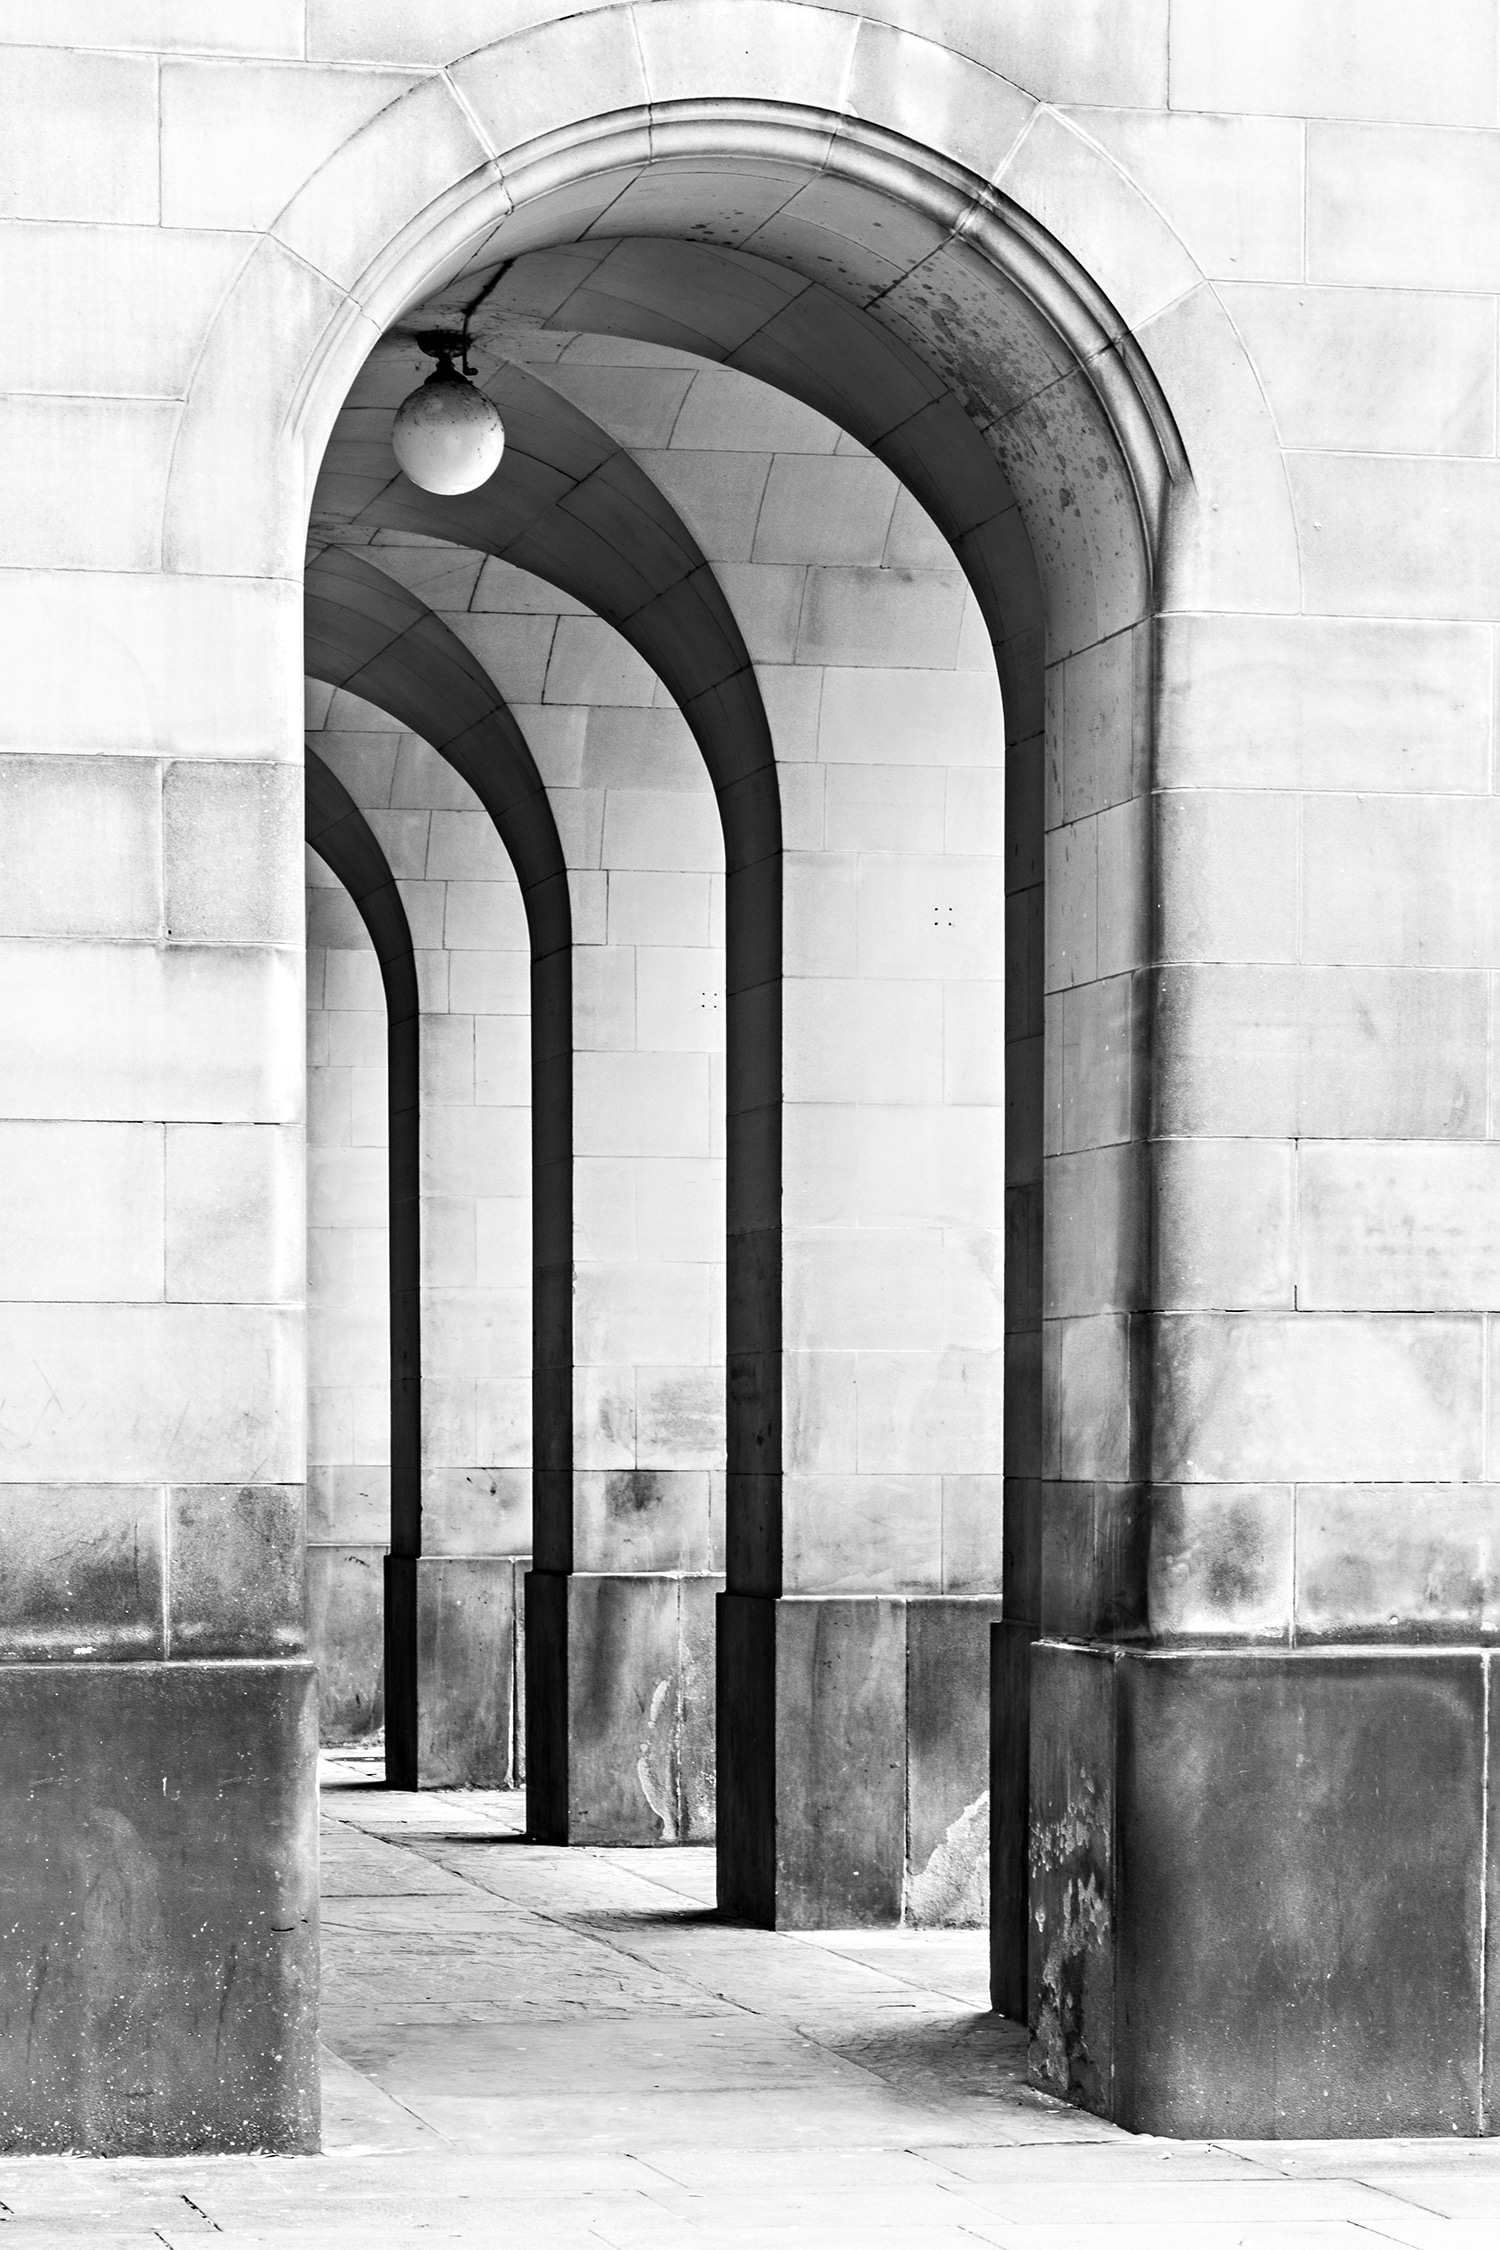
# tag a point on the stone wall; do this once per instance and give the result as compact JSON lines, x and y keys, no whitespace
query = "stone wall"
{"x":1179,"y":322}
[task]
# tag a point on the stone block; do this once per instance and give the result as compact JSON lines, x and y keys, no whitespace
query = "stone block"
{"x":1401,"y":208}
{"x":515,"y":651}
{"x":80,"y":1211}
{"x":947,"y":1763}
{"x":826,"y":508}
{"x":80,"y":840}
{"x":683,"y":46}
{"x":1380,"y":1562}
{"x":474,"y":1152}
{"x":1320,"y":1053}
{"x":1323,"y":703}
{"x":406,"y":158}
{"x":1401,"y":880}
{"x":1240,"y":549}
{"x":1373,"y":370}
{"x":675,"y":830}
{"x":820,"y":926}
{"x":465,"y":1672}
{"x":638,"y":1730}
{"x":1072,"y":1932}
{"x":630,"y":1519}
{"x":473,"y":983}
{"x":865,"y":1040}
{"x":512,"y":84}
{"x":235,"y":1220}
{"x":1231,"y":186}
{"x":346,"y":1609}
{"x":1094,"y":1542}
{"x":349,"y":1501}
{"x":236,"y":1578}
{"x":727,"y":412}
{"x":87,"y":479}
{"x":1323,"y":62}
{"x":881,"y":616}
{"x":718,"y":496}
{"x":679,"y":1416}
{"x":867,"y":1287}
{"x":925,"y":90}
{"x":1082,"y":199}
{"x":1386,"y":1225}
{"x":1096,"y":1061}
{"x":973,"y":1524}
{"x":1220,"y":1560}
{"x":79,"y":135}
{"x":974,"y":1042}
{"x":1096,"y":1231}
{"x":84,"y":1572}
{"x":886,"y":808}
{"x":346,"y":1187}
{"x":1092,"y":1407}
{"x":648,"y":1311}
{"x":938,"y":918}
{"x":502,"y":1061}
{"x":1319,"y":1975}
{"x":679,"y":997}
{"x":819,"y":1399}
{"x":130,"y":1032}
{"x":352,"y":985}
{"x":1072,"y":905}
{"x":1389,"y":537}
{"x":863,"y":1533}
{"x":481,"y":910}
{"x":590,"y":664}
{"x":658,"y":909}
{"x":473,"y":1511}
{"x":1318,"y":1397}
{"x":1205,"y":841}
{"x":229,"y":853}
{"x":181,"y":667}
{"x":873,"y":716}
{"x":840,"y":1688}
{"x":268,"y":27}
{"x":152,"y":1393}
{"x":934,"y":1412}
{"x":1224,"y":1213}
{"x":238,"y":144}
{"x":161,"y":1825}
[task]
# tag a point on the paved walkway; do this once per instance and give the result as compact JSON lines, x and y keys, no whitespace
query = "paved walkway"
{"x":558,"y":2048}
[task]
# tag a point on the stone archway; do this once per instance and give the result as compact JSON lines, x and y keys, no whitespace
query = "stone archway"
{"x":981,"y":356}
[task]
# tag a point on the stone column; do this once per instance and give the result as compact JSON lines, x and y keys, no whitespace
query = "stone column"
{"x":159,"y":1809}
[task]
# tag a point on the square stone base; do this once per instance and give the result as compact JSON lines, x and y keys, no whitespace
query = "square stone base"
{"x":159,"y":1907}
{"x":451,"y":1671}
{"x":1258,"y":1886}
{"x":620,"y":1708}
{"x":853,"y":1764}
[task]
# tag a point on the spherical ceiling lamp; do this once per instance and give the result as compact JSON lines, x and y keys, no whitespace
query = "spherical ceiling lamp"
{"x":448,"y":437}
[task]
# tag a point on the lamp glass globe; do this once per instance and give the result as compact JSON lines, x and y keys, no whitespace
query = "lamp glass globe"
{"x":448,"y":437}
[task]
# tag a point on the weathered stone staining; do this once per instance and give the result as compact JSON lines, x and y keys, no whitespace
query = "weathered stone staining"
{"x":897,"y":1062}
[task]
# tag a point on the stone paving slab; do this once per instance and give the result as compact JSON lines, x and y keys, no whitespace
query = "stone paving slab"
{"x":544,"y":2048}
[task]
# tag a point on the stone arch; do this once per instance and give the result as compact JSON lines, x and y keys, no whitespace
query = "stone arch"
{"x":1054,"y":369}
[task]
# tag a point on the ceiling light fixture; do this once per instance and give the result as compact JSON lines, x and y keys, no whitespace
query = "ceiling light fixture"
{"x":447,"y":436}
